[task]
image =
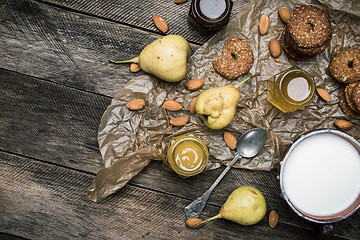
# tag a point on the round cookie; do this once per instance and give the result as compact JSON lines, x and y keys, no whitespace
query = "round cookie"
{"x":235,"y":60}
{"x":289,"y":50}
{"x":348,"y":95}
{"x":345,"y":107}
{"x":345,"y":66}
{"x":307,"y":52}
{"x":309,"y":26}
{"x":355,"y":96}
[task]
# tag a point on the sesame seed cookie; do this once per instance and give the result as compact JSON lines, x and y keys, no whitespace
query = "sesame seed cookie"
{"x":235,"y":60}
{"x":355,"y":96}
{"x":349,"y":97}
{"x":345,"y":66}
{"x":309,"y":26}
{"x":344,"y":105}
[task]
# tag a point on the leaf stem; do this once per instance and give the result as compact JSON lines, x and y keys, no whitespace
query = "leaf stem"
{"x":239,"y":84}
{"x":207,"y":220}
{"x":133,"y":60}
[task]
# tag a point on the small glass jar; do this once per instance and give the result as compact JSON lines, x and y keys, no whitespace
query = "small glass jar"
{"x":187,"y":155}
{"x":210,"y":15}
{"x":291,"y":89}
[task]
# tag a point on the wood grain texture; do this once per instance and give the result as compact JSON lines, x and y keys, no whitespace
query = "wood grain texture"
{"x":44,"y":201}
{"x":66,"y":47}
{"x":55,"y":84}
{"x":58,"y":125}
{"x":48,"y":121}
{"x":176,"y":15}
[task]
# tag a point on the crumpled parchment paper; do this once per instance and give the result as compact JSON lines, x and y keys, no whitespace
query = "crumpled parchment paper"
{"x":129,"y":140}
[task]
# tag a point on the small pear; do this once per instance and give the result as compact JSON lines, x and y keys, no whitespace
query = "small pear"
{"x":245,"y":206}
{"x":216,"y":106}
{"x":166,"y":58}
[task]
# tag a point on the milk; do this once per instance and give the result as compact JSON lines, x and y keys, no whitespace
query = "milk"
{"x":321,"y":176}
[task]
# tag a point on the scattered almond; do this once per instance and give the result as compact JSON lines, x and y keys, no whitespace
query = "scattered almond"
{"x":135,"y":104}
{"x":277,"y":60}
{"x":323,"y":94}
{"x":275,"y":48}
{"x":343,"y":124}
{"x":180,"y":1}
{"x":179,"y":121}
{"x":172,"y":105}
{"x":192,"y":222}
{"x":273,"y":218}
{"x":264,"y":24}
{"x":192,"y":105}
{"x":160,"y":23}
{"x":134,"y":67}
{"x":230,"y":140}
{"x":194,"y":84}
{"x":285,"y":15}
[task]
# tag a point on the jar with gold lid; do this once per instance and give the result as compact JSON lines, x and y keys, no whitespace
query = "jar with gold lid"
{"x":187,"y":155}
{"x":291,"y":89}
{"x":210,"y":15}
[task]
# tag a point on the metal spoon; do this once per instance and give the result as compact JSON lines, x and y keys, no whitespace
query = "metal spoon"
{"x":249,"y":145}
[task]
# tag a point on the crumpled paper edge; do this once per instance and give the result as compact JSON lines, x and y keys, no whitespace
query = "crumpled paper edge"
{"x":103,"y":185}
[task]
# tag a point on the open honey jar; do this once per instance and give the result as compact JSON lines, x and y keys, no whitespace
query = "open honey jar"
{"x":291,"y":89}
{"x":210,"y":15}
{"x":187,"y":155}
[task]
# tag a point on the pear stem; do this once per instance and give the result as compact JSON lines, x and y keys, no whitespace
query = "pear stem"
{"x":239,"y":84}
{"x":207,"y":220}
{"x":133,"y":60}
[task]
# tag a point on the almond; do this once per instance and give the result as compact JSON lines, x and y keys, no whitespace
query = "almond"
{"x":179,"y":121}
{"x":134,"y":67}
{"x":273,"y":218}
{"x":160,"y":23}
{"x":323,"y":94}
{"x":192,"y":105}
{"x":135,"y":104}
{"x":180,"y":1}
{"x":275,"y":48}
{"x":194,"y":84}
{"x":192,"y":222}
{"x":230,"y":140}
{"x":264,"y":24}
{"x":343,"y":124}
{"x":285,"y":15}
{"x":172,"y":105}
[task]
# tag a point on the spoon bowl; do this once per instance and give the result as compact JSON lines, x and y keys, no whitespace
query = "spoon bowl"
{"x":249,"y":145}
{"x":251,"y":142}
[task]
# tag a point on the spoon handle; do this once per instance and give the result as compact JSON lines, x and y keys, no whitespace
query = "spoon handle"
{"x":194,"y":209}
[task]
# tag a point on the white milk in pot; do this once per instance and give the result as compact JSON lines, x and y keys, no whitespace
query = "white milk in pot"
{"x":320,"y":176}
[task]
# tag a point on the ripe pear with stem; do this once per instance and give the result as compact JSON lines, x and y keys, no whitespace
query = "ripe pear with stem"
{"x":245,"y":205}
{"x":167,"y":58}
{"x":216,"y":106}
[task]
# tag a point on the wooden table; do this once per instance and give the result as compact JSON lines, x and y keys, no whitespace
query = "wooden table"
{"x":56,"y":83}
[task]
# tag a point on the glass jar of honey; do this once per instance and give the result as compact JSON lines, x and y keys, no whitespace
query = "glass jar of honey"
{"x":187,"y":155}
{"x":291,"y":89}
{"x":210,"y":15}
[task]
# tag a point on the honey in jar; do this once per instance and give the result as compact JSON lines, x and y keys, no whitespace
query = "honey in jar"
{"x":210,"y":15}
{"x":187,"y":155}
{"x":291,"y":89}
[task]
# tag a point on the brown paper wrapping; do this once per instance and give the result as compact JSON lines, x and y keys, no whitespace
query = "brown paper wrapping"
{"x":129,"y":140}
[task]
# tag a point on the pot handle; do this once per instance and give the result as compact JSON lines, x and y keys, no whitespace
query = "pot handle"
{"x":325,"y":230}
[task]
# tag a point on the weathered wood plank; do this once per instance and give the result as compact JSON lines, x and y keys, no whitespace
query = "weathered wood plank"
{"x":44,"y":201}
{"x":4,"y":236}
{"x":139,"y":14}
{"x":66,"y":47}
{"x":49,"y":121}
{"x":58,"y":124}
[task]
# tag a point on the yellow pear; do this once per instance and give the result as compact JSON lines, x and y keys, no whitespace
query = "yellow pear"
{"x":167,"y":58}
